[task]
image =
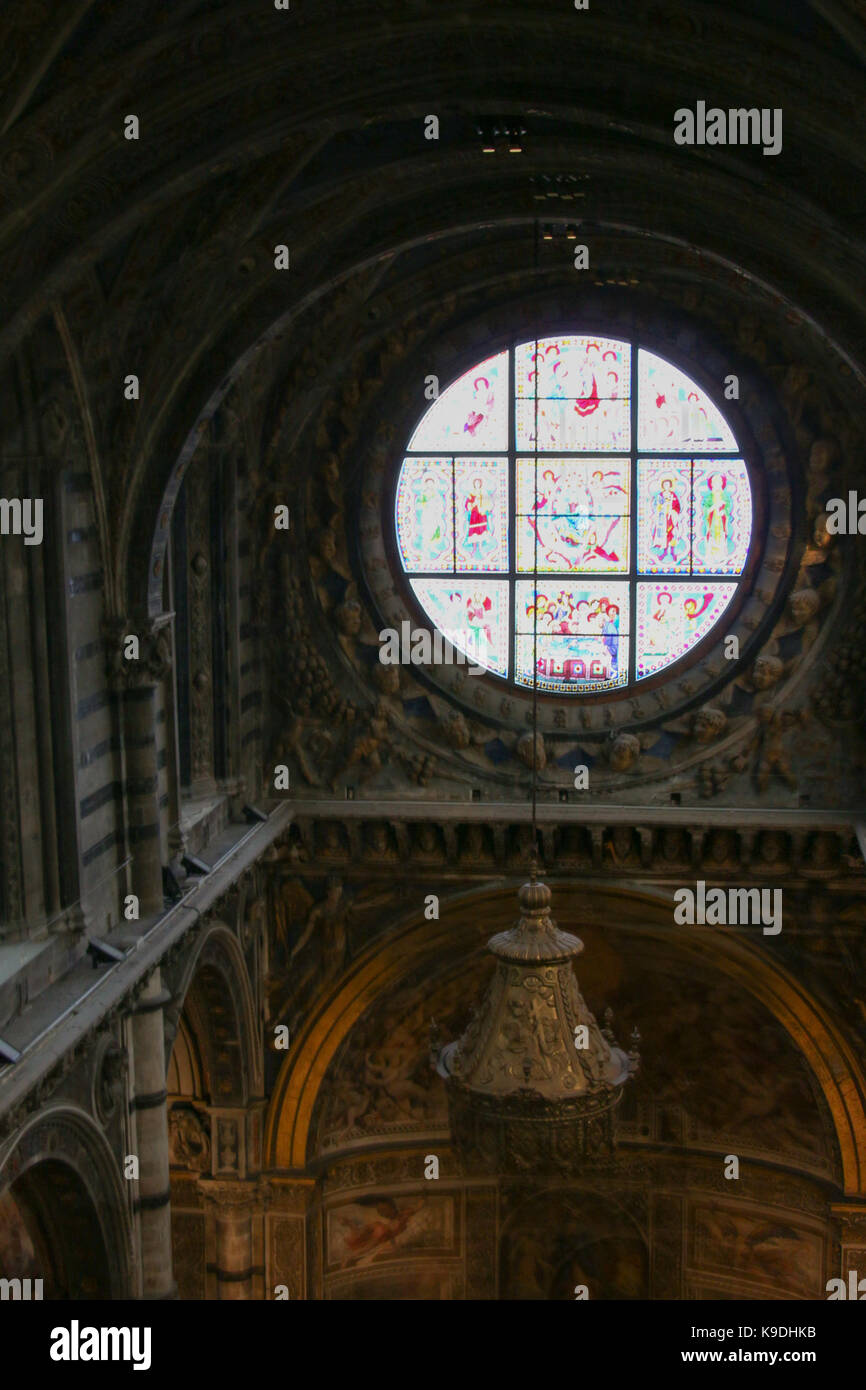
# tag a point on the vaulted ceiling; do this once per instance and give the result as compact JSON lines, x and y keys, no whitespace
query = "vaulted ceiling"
{"x":305,"y":127}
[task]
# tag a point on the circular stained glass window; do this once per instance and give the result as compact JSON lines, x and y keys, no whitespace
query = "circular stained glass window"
{"x":577,"y":507}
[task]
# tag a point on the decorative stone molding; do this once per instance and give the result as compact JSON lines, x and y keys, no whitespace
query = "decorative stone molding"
{"x":154,"y":659}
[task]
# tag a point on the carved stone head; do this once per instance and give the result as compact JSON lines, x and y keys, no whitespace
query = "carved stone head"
{"x":823,"y":851}
{"x":708,"y":724}
{"x":332,"y":471}
{"x":624,"y":752}
{"x":377,"y":839}
{"x":673,"y":847}
{"x":347,"y":616}
{"x":772,"y":846}
{"x":456,"y":730}
{"x":524,"y":750}
{"x":326,"y":545}
{"x":426,"y":839}
{"x":386,"y":678}
{"x":820,"y":535}
{"x":766,"y":671}
{"x":721,"y":847}
{"x":804,"y":604}
{"x":475,"y":842}
{"x":821,"y":455}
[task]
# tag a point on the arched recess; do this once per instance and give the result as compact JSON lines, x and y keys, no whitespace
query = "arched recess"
{"x":213,"y":1075}
{"x":185,"y":1074}
{"x":60,"y":1186}
{"x":553,"y":1242}
{"x":215,"y":1029}
{"x":649,"y":915}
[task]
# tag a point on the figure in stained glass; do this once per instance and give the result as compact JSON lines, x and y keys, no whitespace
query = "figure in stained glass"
{"x":667,"y":538}
{"x":478,"y":536}
{"x":612,"y":496}
{"x":594,"y":549}
{"x":481,"y":407}
{"x":694,"y":610}
{"x":431,"y":529}
{"x":478,"y":606}
{"x":716,"y":512}
{"x":610,"y":630}
{"x":478,"y":527}
{"x":672,"y":618}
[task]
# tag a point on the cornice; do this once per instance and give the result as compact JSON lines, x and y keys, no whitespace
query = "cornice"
{"x":49,"y":1057}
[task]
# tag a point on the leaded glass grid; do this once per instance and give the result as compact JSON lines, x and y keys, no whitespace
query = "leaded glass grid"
{"x":634,"y":508}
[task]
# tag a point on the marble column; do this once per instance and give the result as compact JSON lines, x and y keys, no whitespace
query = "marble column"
{"x":153,"y":1203}
{"x":235,"y":1207}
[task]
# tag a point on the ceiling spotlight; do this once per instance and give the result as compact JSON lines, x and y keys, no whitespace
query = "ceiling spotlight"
{"x":171,"y":888}
{"x":101,"y":952}
{"x":547,"y":232}
{"x":571,"y":232}
{"x":194,"y":865}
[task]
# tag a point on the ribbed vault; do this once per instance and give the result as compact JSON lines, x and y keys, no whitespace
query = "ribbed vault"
{"x":156,"y":256}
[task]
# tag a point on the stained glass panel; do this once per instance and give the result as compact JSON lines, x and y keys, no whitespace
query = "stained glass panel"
{"x":664,"y":510}
{"x":573,"y":545}
{"x":580,"y":368}
{"x":471,"y":414}
{"x":567,"y":606}
{"x":574,"y":425}
{"x":472,"y":614}
{"x":425,"y":512}
{"x":481,"y":514}
{"x":573,"y":487}
{"x":722,"y":522}
{"x":571,"y":665}
{"x":581,"y":518}
{"x":672,"y":618}
{"x":674,"y":413}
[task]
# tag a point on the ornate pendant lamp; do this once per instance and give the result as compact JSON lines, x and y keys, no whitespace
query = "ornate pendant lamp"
{"x":534,"y":1081}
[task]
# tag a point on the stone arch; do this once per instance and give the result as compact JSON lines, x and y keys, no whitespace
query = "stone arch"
{"x":815,"y":1034}
{"x":64,"y":1182}
{"x":215,"y":1019}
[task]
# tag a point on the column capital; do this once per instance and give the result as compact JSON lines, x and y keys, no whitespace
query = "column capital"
{"x":237,"y":1196}
{"x":287,"y":1194}
{"x":851,"y":1217}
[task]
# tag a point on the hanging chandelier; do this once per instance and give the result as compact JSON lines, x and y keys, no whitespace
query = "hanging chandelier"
{"x":533,"y":1083}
